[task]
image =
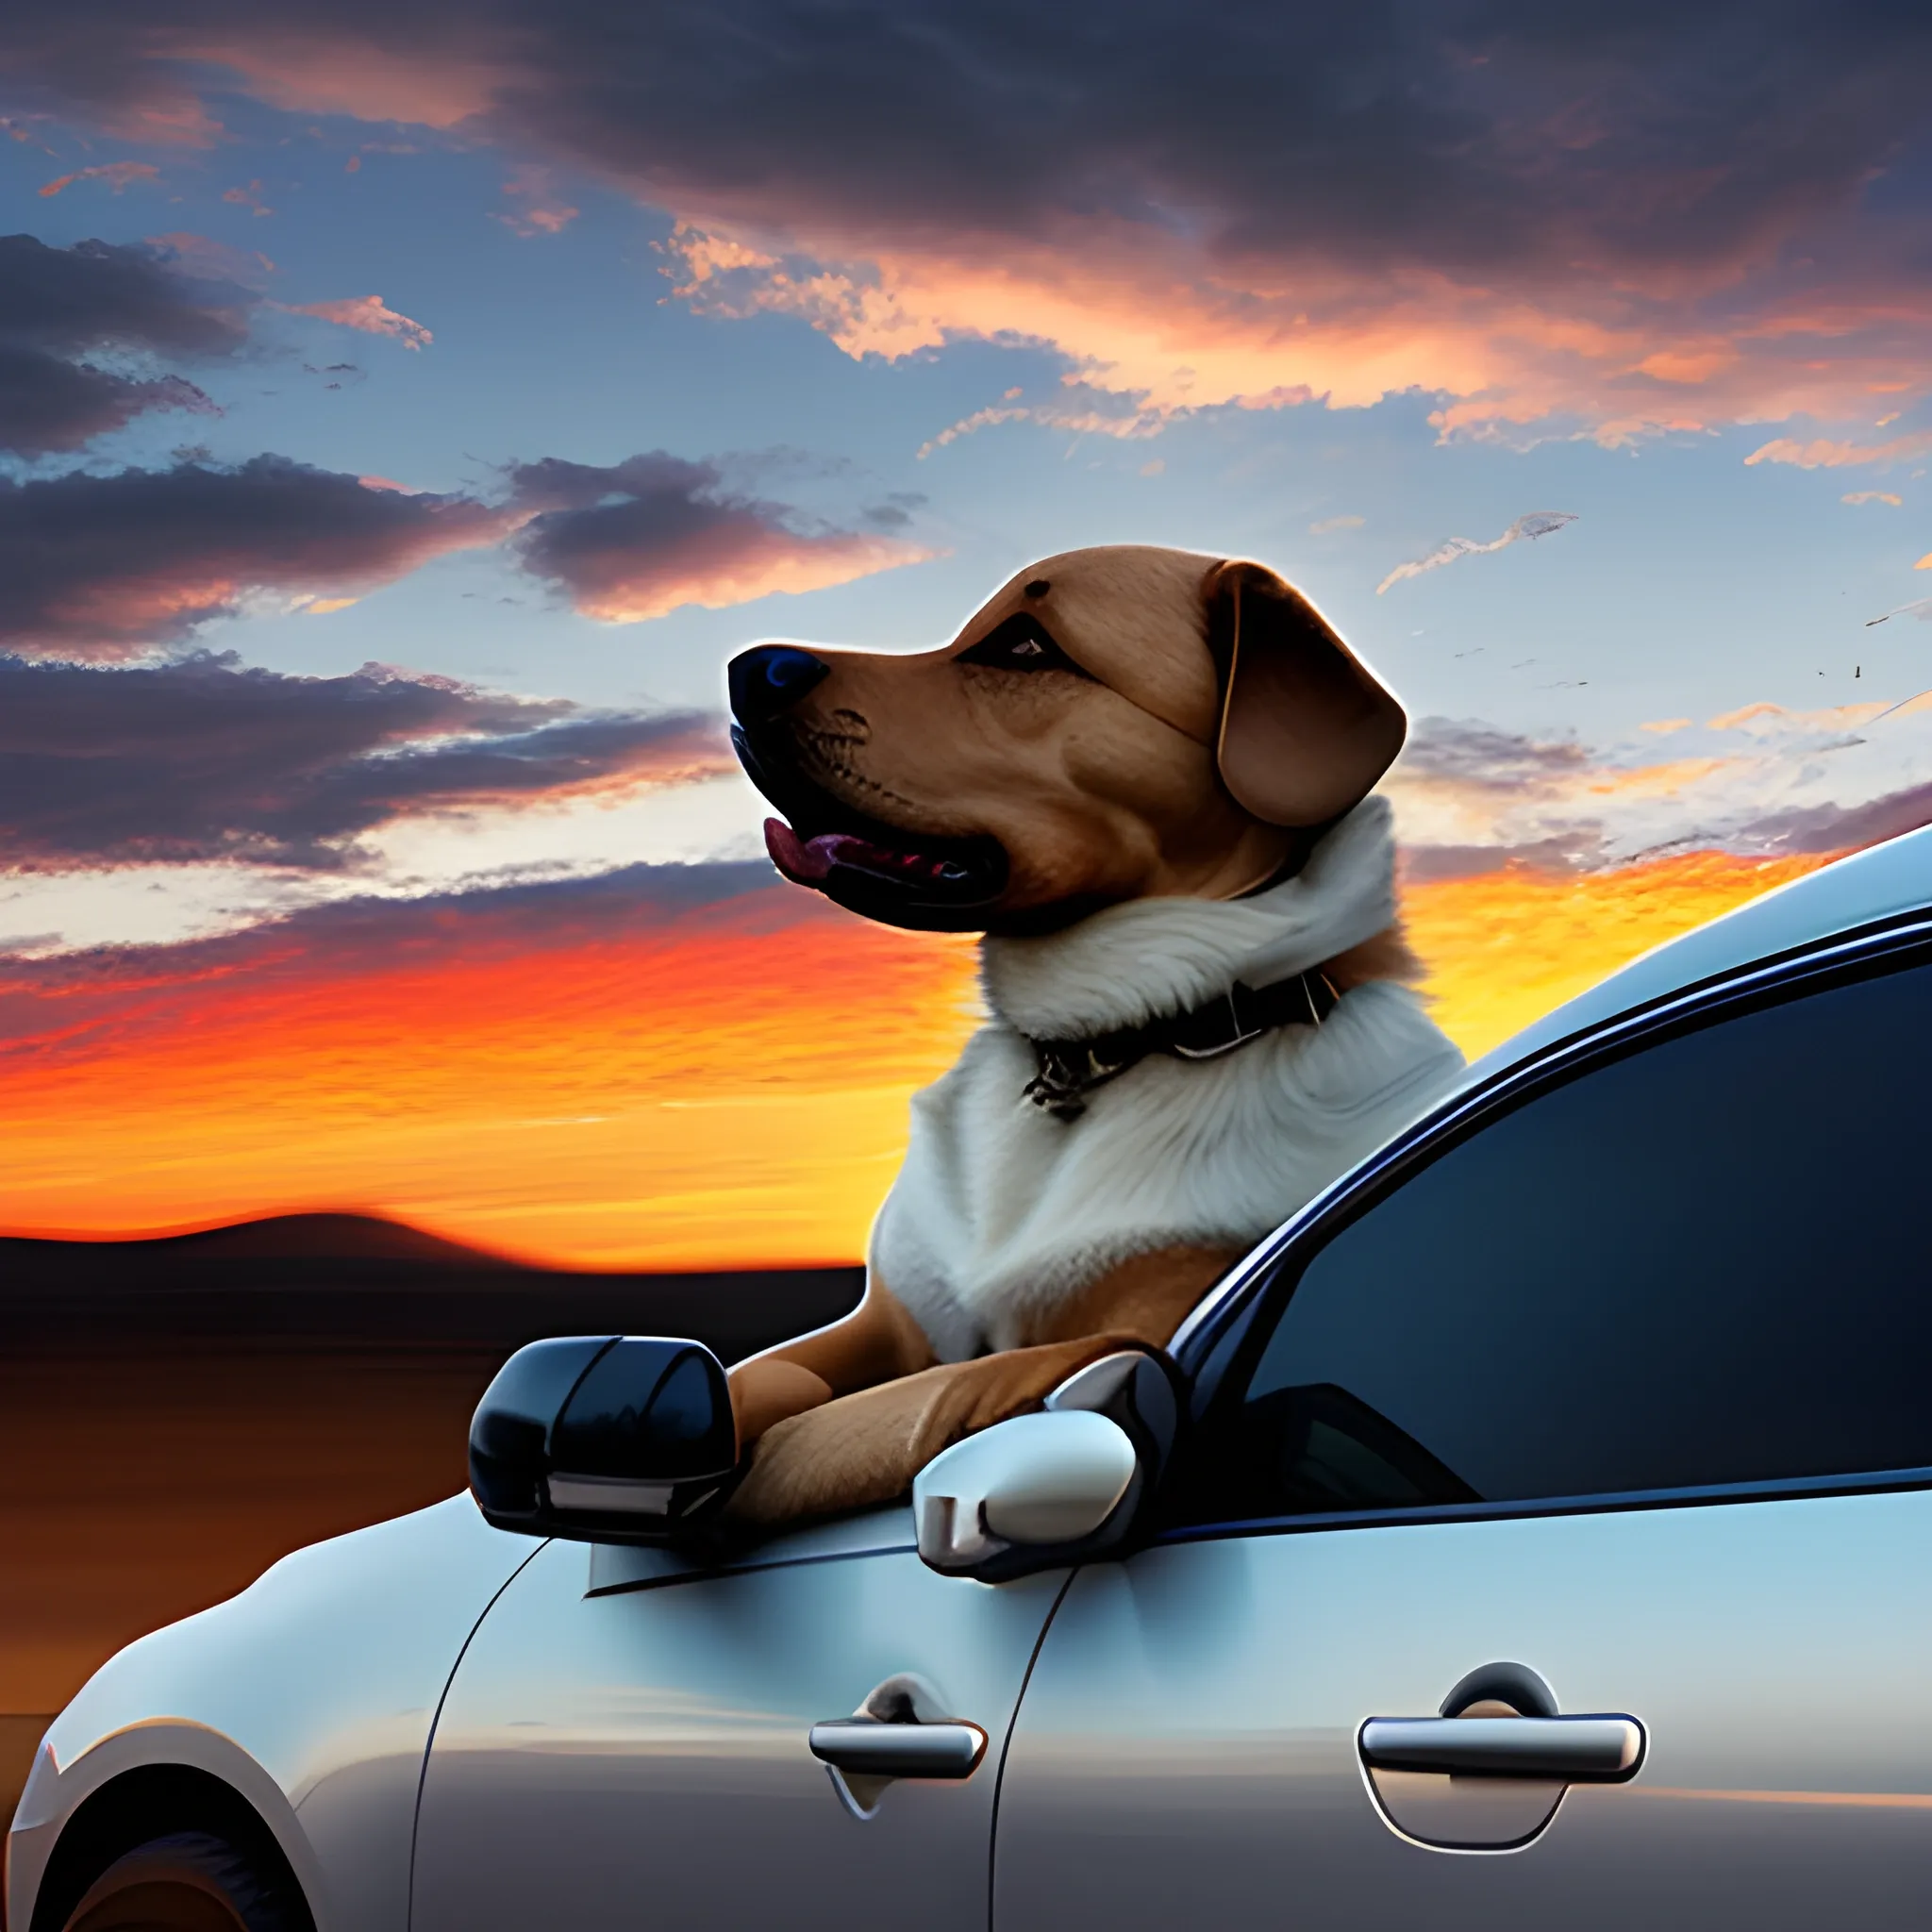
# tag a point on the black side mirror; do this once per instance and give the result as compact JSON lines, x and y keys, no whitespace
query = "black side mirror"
{"x":603,"y":1439}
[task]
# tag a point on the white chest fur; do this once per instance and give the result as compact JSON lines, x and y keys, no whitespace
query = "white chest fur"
{"x":1000,"y":1210}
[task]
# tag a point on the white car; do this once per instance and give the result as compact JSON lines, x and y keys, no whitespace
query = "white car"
{"x":1535,"y":1531}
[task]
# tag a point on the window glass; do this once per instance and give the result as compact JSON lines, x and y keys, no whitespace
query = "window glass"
{"x":1705,"y":1263}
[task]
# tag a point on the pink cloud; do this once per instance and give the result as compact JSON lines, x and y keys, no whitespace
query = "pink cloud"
{"x":248,"y":197}
{"x":1150,"y":330}
{"x":117,"y":175}
{"x":1822,"y":453}
{"x":539,"y":210}
{"x":217,"y":260}
{"x":110,"y":568}
{"x":636,"y":540}
{"x":369,"y":314}
{"x":310,"y":72}
{"x":734,"y":567}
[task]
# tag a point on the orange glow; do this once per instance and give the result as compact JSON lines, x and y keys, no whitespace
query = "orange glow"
{"x":726,"y":1088}
{"x":1505,"y":947}
{"x":730,"y":1091}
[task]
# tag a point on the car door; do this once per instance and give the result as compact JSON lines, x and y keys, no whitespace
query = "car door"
{"x":625,"y":1739}
{"x":1611,"y":1397}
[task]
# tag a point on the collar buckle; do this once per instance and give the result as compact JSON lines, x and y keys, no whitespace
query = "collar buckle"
{"x":1068,"y":1070}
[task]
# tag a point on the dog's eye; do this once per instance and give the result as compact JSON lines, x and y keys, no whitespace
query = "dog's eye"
{"x":1020,"y":643}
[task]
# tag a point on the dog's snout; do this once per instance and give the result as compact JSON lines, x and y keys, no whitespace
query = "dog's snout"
{"x":771,"y":679}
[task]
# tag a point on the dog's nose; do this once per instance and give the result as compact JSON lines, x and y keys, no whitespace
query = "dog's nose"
{"x":771,"y":679}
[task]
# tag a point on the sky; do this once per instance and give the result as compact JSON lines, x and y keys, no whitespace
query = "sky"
{"x":405,"y":410}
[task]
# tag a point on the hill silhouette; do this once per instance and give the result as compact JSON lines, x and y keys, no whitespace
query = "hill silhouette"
{"x":363,"y":1282}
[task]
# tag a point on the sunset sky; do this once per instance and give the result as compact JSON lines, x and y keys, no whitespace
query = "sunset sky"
{"x":406,"y":409}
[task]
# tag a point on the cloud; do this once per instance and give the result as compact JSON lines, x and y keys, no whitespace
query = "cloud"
{"x":1873,"y":496}
{"x":370,"y":314}
{"x":1539,"y":523}
{"x":1617,"y":223}
{"x":111,"y":567}
{"x":1759,"y":781}
{"x":1467,"y":750}
{"x":1822,"y":453}
{"x":1080,"y":410}
{"x":203,"y":759}
{"x":116,"y":174}
{"x":1327,"y":526}
{"x":538,"y":208}
{"x":248,"y":197}
{"x":48,"y":405}
{"x":56,"y":305}
{"x":638,"y":539}
{"x":96,"y":295}
{"x":1832,"y":827}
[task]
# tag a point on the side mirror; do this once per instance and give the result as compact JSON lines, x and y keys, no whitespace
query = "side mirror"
{"x":1039,"y":1490}
{"x":986,"y":1505}
{"x":603,"y":1439}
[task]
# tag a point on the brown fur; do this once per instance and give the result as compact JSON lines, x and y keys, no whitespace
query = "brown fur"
{"x":1101,"y":787}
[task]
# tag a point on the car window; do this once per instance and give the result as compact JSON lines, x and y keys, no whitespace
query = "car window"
{"x":1709,"y":1262}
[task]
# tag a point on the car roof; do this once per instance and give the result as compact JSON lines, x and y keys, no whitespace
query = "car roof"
{"x":1880,"y":883}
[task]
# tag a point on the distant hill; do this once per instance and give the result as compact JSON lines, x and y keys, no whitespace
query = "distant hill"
{"x":308,"y":1238}
{"x":362,"y":1283}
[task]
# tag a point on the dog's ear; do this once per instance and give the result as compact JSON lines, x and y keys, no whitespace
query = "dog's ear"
{"x":1306,"y":727}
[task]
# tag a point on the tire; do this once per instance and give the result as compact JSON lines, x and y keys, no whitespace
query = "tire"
{"x":190,"y":1881}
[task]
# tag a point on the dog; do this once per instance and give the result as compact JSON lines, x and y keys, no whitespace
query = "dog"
{"x":1144,"y":775}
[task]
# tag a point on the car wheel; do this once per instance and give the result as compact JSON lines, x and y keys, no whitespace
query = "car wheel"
{"x":190,"y":1881}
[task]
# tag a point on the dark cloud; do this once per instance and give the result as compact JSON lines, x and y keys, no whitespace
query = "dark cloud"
{"x":1834,"y":828}
{"x":203,"y":759}
{"x":58,"y":306}
{"x":637,"y":539}
{"x":1581,"y":849}
{"x":1464,"y":132}
{"x":96,"y":296}
{"x":1615,"y":213}
{"x":109,"y":567}
{"x":47,"y":405}
{"x":1470,"y":752}
{"x":894,"y":512}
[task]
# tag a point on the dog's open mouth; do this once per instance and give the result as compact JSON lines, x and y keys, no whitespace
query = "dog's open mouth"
{"x":882,"y":872}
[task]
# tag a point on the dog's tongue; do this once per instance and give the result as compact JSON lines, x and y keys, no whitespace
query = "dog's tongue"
{"x":809,"y":861}
{"x":804,"y":861}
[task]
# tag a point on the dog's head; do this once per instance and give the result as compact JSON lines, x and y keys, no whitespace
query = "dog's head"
{"x":1118,"y":722}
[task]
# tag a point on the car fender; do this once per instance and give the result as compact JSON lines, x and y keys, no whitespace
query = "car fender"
{"x":311,"y":1694}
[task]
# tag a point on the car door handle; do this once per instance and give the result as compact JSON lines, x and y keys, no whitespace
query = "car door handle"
{"x":868,"y":1747}
{"x":1603,"y":1750}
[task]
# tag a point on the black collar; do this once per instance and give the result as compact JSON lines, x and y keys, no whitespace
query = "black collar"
{"x":1072,"y":1068}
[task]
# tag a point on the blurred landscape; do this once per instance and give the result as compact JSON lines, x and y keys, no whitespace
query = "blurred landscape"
{"x":177,"y":1413}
